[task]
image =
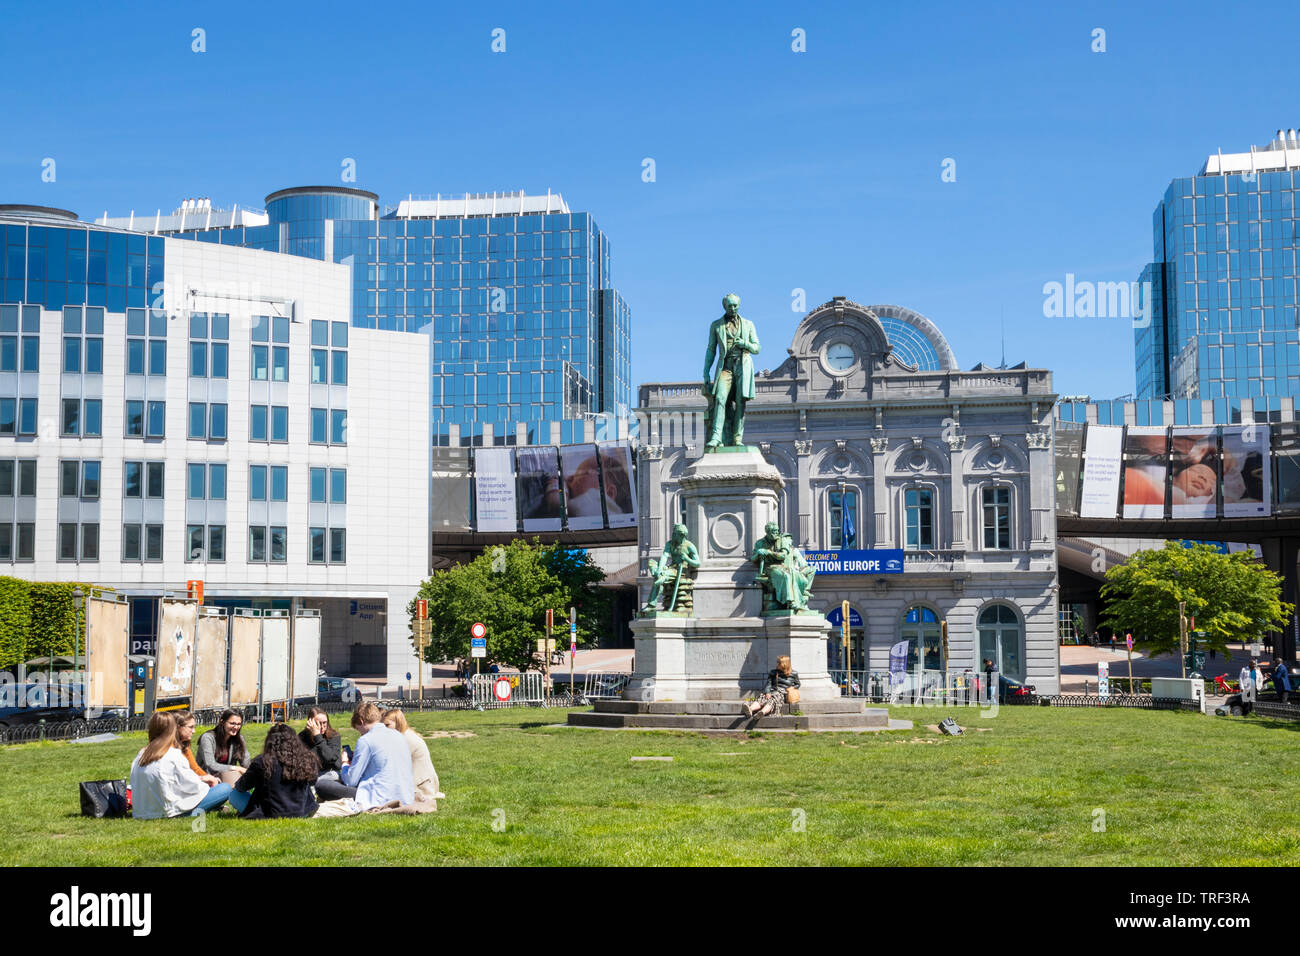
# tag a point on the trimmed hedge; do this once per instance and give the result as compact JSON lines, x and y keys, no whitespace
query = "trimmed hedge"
{"x":37,"y":618}
{"x":15,"y":620}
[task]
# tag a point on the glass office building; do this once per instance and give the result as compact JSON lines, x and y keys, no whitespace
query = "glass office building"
{"x":530,"y":340}
{"x":1223,"y":285}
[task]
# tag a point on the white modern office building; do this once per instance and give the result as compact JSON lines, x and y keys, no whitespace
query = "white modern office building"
{"x":173,"y":411}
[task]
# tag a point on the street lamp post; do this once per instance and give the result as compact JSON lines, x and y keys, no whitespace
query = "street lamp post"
{"x":1182,"y":636}
{"x":77,"y":603}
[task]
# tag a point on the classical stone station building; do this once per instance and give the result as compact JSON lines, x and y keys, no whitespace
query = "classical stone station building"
{"x":884,"y":444}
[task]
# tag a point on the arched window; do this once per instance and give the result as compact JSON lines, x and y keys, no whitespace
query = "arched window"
{"x":1001,"y":641}
{"x":920,"y":629}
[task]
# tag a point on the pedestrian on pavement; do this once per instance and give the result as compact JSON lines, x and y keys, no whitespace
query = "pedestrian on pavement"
{"x":1281,"y":679}
{"x":1250,"y":681}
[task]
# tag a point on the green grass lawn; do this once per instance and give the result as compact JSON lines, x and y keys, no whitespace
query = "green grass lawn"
{"x":1020,"y":788}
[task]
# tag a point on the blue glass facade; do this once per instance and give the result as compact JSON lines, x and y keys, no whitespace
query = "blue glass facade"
{"x":1223,"y":282}
{"x":526,"y":325}
{"x":56,"y":266}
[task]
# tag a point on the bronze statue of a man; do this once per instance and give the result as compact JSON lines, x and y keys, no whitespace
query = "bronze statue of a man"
{"x":734,"y":339}
{"x":673,"y":569}
{"x":783,"y":571}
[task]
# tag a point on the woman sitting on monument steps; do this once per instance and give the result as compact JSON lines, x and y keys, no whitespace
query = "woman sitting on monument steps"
{"x":780,"y":681}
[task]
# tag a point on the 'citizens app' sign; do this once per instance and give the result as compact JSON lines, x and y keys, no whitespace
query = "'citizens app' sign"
{"x":879,"y":561}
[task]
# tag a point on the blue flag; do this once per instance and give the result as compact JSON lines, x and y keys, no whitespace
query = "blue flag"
{"x":848,"y":533}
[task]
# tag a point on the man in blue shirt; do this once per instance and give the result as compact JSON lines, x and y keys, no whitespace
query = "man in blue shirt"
{"x":380,"y":769}
{"x":1281,"y":679}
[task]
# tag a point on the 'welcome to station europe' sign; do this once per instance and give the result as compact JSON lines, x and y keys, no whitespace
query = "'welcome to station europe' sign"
{"x":877,"y":561}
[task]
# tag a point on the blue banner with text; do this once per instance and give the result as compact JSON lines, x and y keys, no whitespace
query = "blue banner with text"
{"x":878,"y":561}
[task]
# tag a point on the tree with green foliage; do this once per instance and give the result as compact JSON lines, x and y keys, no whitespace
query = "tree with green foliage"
{"x":508,"y":588}
{"x":1232,"y":596}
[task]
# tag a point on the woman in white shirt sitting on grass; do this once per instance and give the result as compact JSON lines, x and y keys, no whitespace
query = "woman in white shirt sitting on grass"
{"x":162,"y":782}
{"x":425,"y":777}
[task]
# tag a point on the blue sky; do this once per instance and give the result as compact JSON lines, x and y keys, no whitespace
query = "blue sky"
{"x":774,"y":170}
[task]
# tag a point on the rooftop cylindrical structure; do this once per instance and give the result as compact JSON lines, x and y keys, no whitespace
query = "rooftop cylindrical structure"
{"x":318,"y":203}
{"x":30,"y":211}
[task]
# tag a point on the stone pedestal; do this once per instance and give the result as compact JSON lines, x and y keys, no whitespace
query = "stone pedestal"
{"x":697,"y":659}
{"x":728,"y":496}
{"x":726,"y":649}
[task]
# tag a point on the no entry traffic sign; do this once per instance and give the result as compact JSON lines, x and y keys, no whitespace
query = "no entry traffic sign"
{"x":501,"y":687}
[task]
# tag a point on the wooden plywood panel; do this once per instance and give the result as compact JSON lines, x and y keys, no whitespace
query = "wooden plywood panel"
{"x":210,"y":640}
{"x":106,"y":645}
{"x":306,"y":655}
{"x":275,"y":658}
{"x":175,"y":668}
{"x":245,"y":659}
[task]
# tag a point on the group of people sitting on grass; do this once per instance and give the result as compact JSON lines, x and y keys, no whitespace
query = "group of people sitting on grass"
{"x":303,"y":774}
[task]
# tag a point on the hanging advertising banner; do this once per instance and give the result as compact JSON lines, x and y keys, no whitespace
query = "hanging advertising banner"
{"x":1101,"y":466}
{"x":1146,"y":465}
{"x":620,"y":491}
{"x":1194,"y":466}
{"x":541,"y":502}
{"x":1247,"y":489}
{"x":451,"y":489}
{"x":494,"y":489}
{"x":583,"y":497}
{"x":1069,"y":459}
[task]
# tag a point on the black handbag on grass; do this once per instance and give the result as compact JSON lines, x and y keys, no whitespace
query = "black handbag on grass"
{"x":103,"y":798}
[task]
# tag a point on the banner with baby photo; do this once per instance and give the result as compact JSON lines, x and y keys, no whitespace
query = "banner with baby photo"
{"x":541,"y":502}
{"x":1247,"y":489}
{"x":583,"y":498}
{"x":1145,"y":468}
{"x":616,"y":478}
{"x":1194,"y":465}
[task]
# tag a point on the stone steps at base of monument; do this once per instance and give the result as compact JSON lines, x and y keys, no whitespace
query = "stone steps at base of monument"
{"x":720,"y":708}
{"x":867,"y":720}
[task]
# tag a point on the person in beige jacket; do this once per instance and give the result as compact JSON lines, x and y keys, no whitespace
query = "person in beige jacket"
{"x":426,"y":778}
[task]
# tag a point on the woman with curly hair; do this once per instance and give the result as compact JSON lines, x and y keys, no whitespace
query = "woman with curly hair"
{"x":280,"y":778}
